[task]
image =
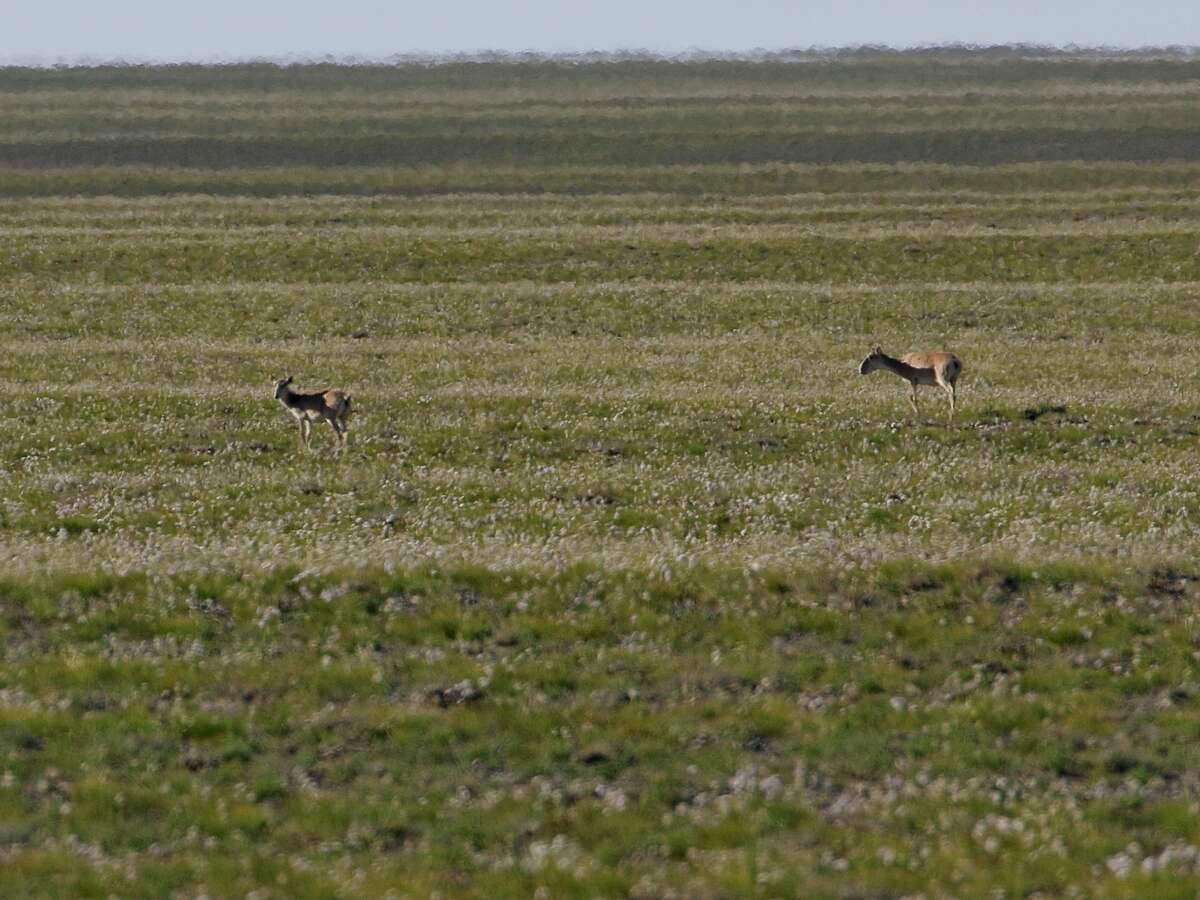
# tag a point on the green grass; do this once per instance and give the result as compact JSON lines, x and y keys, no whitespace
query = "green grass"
{"x":628,"y":585}
{"x":480,"y":730}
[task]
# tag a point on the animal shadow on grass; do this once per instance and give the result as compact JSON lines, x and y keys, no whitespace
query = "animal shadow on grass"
{"x":1033,"y":413}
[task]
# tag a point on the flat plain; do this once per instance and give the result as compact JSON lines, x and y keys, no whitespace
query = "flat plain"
{"x":629,"y":584}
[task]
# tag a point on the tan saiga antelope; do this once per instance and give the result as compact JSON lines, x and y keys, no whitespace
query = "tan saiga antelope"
{"x":311,"y":406}
{"x":937,"y":368}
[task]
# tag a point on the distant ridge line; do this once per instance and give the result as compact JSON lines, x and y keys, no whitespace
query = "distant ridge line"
{"x":946,"y":52}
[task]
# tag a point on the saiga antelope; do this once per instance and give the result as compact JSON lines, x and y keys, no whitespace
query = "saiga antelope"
{"x":937,"y":368}
{"x":311,"y":406}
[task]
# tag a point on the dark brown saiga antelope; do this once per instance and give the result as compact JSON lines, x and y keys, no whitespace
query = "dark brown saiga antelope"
{"x":938,"y":368}
{"x":311,"y":406}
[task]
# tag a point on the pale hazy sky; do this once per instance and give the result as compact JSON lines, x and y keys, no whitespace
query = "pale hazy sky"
{"x":50,"y":31}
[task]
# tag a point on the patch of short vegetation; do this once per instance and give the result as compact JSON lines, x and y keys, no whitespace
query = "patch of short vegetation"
{"x":950,"y":717}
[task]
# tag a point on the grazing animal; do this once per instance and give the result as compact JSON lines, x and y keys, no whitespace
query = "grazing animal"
{"x":311,"y":406}
{"x":937,"y":368}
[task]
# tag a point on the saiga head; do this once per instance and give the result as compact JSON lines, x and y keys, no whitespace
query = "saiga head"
{"x":281,"y":387}
{"x":873,"y":361}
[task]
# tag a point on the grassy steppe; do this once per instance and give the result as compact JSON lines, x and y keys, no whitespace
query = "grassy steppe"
{"x":629,"y":584}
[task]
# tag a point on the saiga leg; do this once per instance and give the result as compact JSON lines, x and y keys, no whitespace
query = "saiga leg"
{"x":949,"y":389}
{"x":340,"y":430}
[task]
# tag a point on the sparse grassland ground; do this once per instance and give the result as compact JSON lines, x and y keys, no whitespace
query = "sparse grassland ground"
{"x":629,"y":584}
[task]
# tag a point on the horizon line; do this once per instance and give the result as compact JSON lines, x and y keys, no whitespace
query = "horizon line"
{"x":815,"y":53}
